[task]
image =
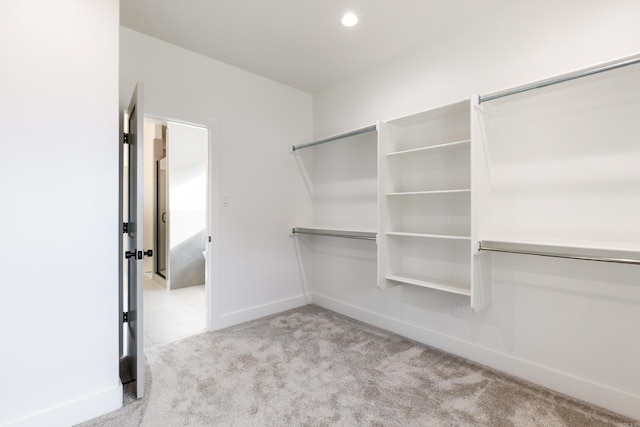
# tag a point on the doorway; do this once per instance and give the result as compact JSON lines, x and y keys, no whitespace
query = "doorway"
{"x":175,"y":226}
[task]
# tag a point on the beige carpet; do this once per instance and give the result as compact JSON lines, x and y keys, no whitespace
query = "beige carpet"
{"x":312,"y":367}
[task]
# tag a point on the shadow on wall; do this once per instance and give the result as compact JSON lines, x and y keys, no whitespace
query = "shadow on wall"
{"x":187,"y":262}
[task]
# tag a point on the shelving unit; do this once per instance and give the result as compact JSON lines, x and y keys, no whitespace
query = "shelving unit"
{"x":539,"y":170}
{"x":424,"y":192}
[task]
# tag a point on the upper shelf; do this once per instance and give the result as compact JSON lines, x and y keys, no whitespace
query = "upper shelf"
{"x":337,"y":137}
{"x":433,"y":149}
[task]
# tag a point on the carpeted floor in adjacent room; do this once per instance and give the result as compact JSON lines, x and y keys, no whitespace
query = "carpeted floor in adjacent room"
{"x":313,"y":367}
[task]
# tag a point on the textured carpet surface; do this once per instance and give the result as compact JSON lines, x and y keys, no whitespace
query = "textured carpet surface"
{"x":312,"y":367}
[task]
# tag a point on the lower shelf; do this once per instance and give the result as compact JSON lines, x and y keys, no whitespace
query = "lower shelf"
{"x":442,"y":285}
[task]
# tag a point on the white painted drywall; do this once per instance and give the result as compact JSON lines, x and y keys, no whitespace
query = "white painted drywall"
{"x":252,"y":122}
{"x":568,"y":325}
{"x":187,"y":149}
{"x":522,"y":42}
{"x":59,"y":192}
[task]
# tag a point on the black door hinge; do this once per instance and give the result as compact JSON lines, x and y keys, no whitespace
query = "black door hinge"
{"x":125,"y":317}
{"x":125,"y":138}
{"x":125,"y":227}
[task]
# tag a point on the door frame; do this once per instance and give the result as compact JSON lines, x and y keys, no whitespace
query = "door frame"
{"x":212,"y":245}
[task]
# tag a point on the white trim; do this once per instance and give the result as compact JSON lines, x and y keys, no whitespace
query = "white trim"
{"x":74,"y":412}
{"x":252,"y":313}
{"x":212,"y":270}
{"x":601,"y":395}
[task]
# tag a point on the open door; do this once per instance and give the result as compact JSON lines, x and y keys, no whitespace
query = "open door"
{"x":131,"y":243}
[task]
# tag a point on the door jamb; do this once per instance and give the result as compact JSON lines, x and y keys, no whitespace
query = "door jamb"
{"x":211,"y":287}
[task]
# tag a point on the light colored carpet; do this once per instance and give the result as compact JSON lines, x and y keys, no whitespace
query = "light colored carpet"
{"x":313,"y":367}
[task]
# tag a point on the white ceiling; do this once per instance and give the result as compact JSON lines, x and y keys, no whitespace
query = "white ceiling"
{"x":300,"y":43}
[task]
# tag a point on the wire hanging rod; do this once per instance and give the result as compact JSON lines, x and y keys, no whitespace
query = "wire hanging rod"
{"x":556,"y":80}
{"x":355,"y":132}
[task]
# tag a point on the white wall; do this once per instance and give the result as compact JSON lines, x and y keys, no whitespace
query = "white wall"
{"x":571,"y":327}
{"x":187,"y":148}
{"x":59,"y":192}
{"x":522,"y":42}
{"x":187,"y":164}
{"x":252,"y":122}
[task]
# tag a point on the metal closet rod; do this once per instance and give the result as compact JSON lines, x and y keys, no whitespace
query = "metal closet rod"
{"x":360,"y":235}
{"x":556,"y":80}
{"x":367,"y":129}
{"x":529,"y":249}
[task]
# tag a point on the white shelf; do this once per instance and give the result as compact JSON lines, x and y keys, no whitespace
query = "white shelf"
{"x":441,"y":285}
{"x":433,"y":149}
{"x":428,"y":235}
{"x":426,"y":193}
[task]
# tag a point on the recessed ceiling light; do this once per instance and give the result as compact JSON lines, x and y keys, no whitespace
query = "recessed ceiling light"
{"x":349,"y":20}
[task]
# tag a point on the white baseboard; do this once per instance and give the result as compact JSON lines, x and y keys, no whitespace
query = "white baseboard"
{"x":74,"y":412}
{"x":580,"y":388}
{"x":252,"y":313}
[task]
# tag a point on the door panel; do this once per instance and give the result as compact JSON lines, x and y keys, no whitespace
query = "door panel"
{"x":133,"y":241}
